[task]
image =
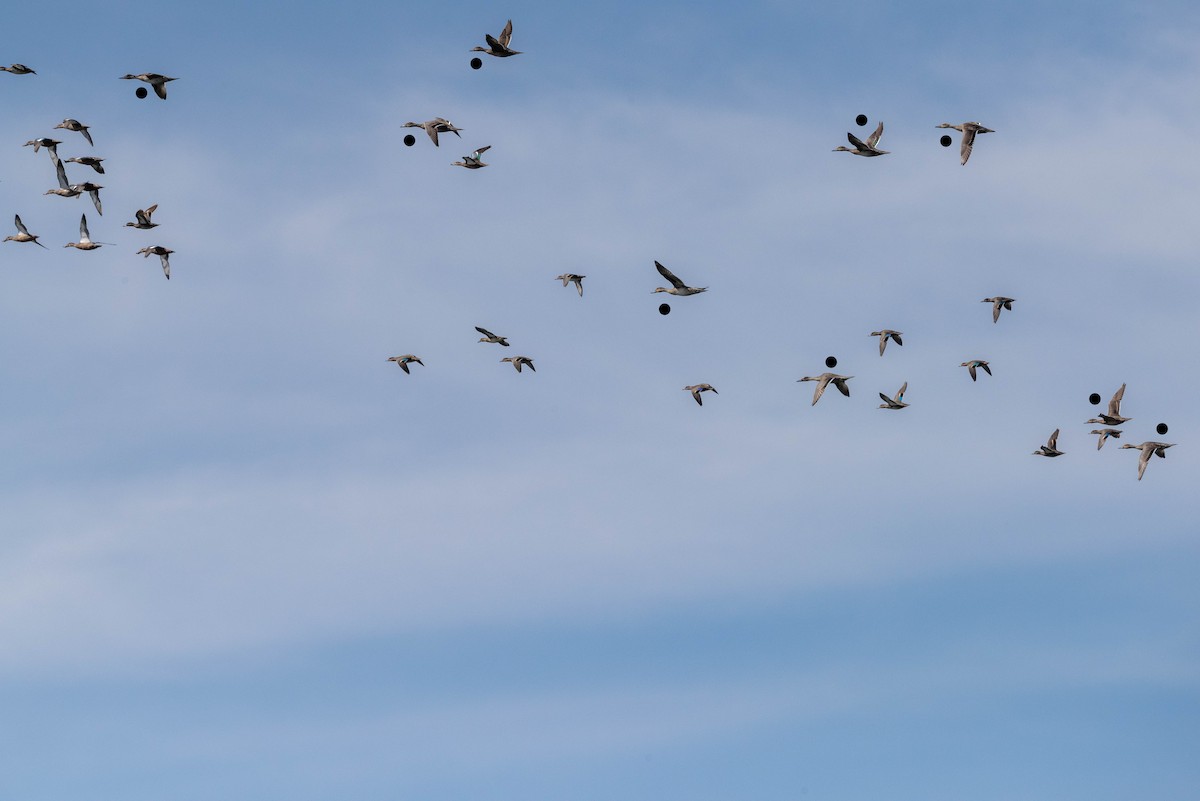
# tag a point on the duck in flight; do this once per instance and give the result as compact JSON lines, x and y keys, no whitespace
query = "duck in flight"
{"x":1051,"y":447}
{"x":88,"y":161}
{"x":968,"y":129}
{"x":405,"y":360}
{"x":885,"y":335}
{"x":517,"y":361}
{"x":1148,"y":449}
{"x":85,"y":242}
{"x":998,"y":303}
{"x":568,"y":278}
{"x":864,"y":149}
{"x":18,"y":69}
{"x":896,"y":402}
{"x":696,"y":389}
{"x":157,"y":82}
{"x":23,"y":234}
{"x":434,"y":127}
{"x":677,"y":287}
{"x":488,"y":336}
{"x":971,"y":365}
{"x":472,"y":162}
{"x":76,"y":125}
{"x":1113,"y":416}
{"x":163,"y":256}
{"x":825,"y":379}
{"x":498,"y":46}
{"x":142,"y":219}
{"x":1105,"y":433}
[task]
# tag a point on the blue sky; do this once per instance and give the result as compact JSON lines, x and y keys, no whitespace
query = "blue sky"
{"x":246,"y":557}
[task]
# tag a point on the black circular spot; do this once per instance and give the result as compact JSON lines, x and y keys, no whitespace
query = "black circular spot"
{"x":1094,"y":399}
{"x":476,"y":63}
{"x":141,"y":92}
{"x":1161,"y":428}
{"x":831,"y":362}
{"x":410,"y":140}
{"x":945,"y":140}
{"x":861,"y":119}
{"x":664,"y":309}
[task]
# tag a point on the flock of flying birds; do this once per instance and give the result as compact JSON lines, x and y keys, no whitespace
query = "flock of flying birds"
{"x":499,"y":47}
{"x":142,"y":217}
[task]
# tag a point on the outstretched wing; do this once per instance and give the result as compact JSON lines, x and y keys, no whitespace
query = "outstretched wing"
{"x":670,"y":276}
{"x":986,"y":369}
{"x":1114,"y":405}
{"x":61,"y":172}
{"x":20,"y":225}
{"x":506,"y":34}
{"x":1053,"y":441}
{"x":854,"y":140}
{"x":484,"y":331}
{"x":873,"y":139}
{"x":84,"y":236}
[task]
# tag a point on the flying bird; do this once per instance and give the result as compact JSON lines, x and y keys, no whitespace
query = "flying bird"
{"x":968,"y":129}
{"x":405,"y":360}
{"x":894,"y":403}
{"x":498,"y":46}
{"x":1149,"y":448}
{"x":1113,"y":416}
{"x":1105,"y":433}
{"x":488,"y":336}
{"x":864,"y":149}
{"x":76,"y":125}
{"x":85,"y":242}
{"x":1051,"y":447}
{"x":823,"y":380}
{"x":163,"y":256}
{"x":971,"y":365}
{"x":568,"y":278}
{"x":517,"y":361}
{"x":18,"y":69}
{"x":434,"y":127}
{"x":156,"y":81}
{"x":677,"y":287}
{"x":89,"y":161}
{"x":64,"y":189}
{"x":142,"y":219}
{"x":885,"y":335}
{"x":472,"y":162}
{"x":998,"y":303}
{"x":23,"y":234}
{"x":698,"y":388}
{"x":51,"y":145}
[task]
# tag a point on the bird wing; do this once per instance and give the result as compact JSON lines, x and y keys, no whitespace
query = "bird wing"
{"x":160,"y":88}
{"x":873,"y":139}
{"x":858,"y":143}
{"x":900,"y":394}
{"x":20,"y":225}
{"x":820,"y":390}
{"x":431,"y":129}
{"x":482,"y":150}
{"x":882,"y":343}
{"x":484,"y":331}
{"x":1114,"y":405}
{"x":61,"y":172}
{"x":897,"y":339}
{"x":506,"y":34}
{"x":670,"y":276}
{"x":696,"y":395}
{"x":530,"y":363}
{"x":968,"y":140}
{"x":95,"y":195}
{"x":166,"y":265}
{"x":1053,"y":441}
{"x":84,"y":236}
{"x":87,"y":136}
{"x":996,"y":311}
{"x":840,"y":383}
{"x":493,"y":43}
{"x":986,"y":369}
{"x":971,"y":370}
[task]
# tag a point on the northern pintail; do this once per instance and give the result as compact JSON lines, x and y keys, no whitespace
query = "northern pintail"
{"x":896,"y":402}
{"x":1105,"y":433}
{"x":823,"y":380}
{"x":517,"y":361}
{"x":1113,"y":416}
{"x":998,"y":303}
{"x":968,"y":129}
{"x":163,"y":256}
{"x":568,"y":278}
{"x":76,"y":125}
{"x":488,"y":336}
{"x":405,"y":360}
{"x":93,"y":191}
{"x":1051,"y":447}
{"x":64,"y":189}
{"x":156,"y":81}
{"x":472,"y":162}
{"x":696,"y":389}
{"x":434,"y":127}
{"x":23,"y":234}
{"x":88,"y":161}
{"x":18,"y":69}
{"x":677,"y":286}
{"x":498,"y":46}
{"x":50,"y":144}
{"x":864,"y":149}
{"x":1147,"y":448}
{"x":971,"y":365}
{"x":85,"y":242}
{"x":885,"y":335}
{"x":142,"y":219}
